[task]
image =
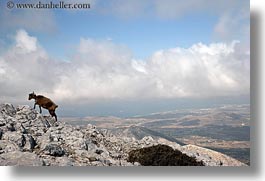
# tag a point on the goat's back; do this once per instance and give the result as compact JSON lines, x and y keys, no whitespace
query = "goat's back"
{"x":46,"y":102}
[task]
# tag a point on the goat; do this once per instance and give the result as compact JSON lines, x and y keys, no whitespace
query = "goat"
{"x":44,"y":102}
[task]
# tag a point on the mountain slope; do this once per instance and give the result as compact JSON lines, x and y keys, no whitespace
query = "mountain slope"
{"x":139,"y":132}
{"x":28,"y":138}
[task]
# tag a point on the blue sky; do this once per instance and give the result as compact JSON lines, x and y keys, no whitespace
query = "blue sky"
{"x":143,"y":33}
{"x":125,"y":51}
{"x":142,"y":36}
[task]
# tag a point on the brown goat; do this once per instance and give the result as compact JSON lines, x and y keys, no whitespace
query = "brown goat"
{"x":45,"y":103}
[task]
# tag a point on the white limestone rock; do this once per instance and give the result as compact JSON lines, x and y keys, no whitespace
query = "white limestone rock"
{"x":18,"y":158}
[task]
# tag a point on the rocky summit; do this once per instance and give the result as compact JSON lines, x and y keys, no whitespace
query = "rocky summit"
{"x":28,"y":138}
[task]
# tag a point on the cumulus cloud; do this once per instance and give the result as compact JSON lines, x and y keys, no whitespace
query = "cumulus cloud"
{"x":25,"y":67}
{"x":102,"y":70}
{"x":201,"y":71}
{"x":25,"y":42}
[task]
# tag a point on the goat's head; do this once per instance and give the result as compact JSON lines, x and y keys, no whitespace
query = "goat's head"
{"x":32,"y":96}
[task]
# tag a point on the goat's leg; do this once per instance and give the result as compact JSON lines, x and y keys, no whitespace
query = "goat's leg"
{"x":35,"y":105}
{"x":55,"y":116}
{"x":40,"y":109}
{"x":52,"y":113}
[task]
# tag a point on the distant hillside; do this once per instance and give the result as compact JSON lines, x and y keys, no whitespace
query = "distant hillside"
{"x":28,"y":138}
{"x":139,"y":132}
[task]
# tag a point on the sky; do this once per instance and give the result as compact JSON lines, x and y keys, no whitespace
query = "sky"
{"x":127,"y":56}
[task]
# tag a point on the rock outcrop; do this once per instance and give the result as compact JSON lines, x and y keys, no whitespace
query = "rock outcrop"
{"x":28,"y":138}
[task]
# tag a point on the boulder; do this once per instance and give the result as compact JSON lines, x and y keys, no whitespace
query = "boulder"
{"x":210,"y":157}
{"x":7,"y":109}
{"x":54,"y":150}
{"x":8,"y":146}
{"x":15,"y":137}
{"x":30,"y":143}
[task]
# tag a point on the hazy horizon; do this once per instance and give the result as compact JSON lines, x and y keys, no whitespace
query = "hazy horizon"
{"x":123,"y":108}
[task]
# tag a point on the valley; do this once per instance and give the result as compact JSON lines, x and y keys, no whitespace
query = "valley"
{"x":225,"y":128}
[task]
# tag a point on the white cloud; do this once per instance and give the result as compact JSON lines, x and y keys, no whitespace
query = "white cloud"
{"x":25,"y":42}
{"x":101,"y":53}
{"x":25,"y":67}
{"x":139,"y":65}
{"x":201,"y":71}
{"x":101,"y":69}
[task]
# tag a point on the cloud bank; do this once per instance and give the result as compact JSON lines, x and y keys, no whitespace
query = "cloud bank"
{"x":103,"y":70}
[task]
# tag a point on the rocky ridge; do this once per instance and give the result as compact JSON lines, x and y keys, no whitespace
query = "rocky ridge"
{"x":30,"y":139}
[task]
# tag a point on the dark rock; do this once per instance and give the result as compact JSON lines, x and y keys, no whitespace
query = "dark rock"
{"x":161,"y":155}
{"x":54,"y":150}
{"x":11,"y":127}
{"x":2,"y":124}
{"x":23,"y":130}
{"x":99,"y":151}
{"x":22,"y":141}
{"x":94,"y":142}
{"x":32,"y":142}
{"x":1,"y":133}
{"x":92,"y":159}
